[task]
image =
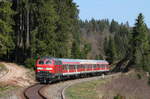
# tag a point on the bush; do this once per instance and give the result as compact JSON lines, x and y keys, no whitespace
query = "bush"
{"x":30,"y":63}
{"x":149,"y":81}
{"x":119,"y":97}
{"x":139,"y":76}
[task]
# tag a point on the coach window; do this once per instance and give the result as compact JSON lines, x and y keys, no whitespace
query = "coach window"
{"x":100,"y":65}
{"x":103,"y":66}
{"x":90,"y":66}
{"x":71,"y":67}
{"x":83,"y":66}
{"x":78,"y":66}
{"x":95,"y":66}
{"x":87,"y":66}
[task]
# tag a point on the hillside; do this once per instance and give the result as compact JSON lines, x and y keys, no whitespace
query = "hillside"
{"x":131,"y":85}
{"x":14,"y":77}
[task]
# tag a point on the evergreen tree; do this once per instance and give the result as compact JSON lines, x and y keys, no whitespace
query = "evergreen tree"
{"x":122,"y":38}
{"x":66,"y":26}
{"x":140,"y":43}
{"x":6,"y":31}
{"x":114,"y":26}
{"x":110,"y":50}
{"x":75,"y":50}
{"x":22,"y":29}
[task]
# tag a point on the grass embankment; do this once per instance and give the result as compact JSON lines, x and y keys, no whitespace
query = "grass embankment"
{"x":86,"y":90}
{"x":132,"y":85}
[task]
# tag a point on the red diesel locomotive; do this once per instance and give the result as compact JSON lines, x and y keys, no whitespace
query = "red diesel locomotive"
{"x":50,"y":69}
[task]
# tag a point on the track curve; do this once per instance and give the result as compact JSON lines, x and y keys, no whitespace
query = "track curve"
{"x":57,"y":90}
{"x":33,"y":92}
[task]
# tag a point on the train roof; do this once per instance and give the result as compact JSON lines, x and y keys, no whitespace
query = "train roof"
{"x":80,"y":60}
{"x":65,"y":60}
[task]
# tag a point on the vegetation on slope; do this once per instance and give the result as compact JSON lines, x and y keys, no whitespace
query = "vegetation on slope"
{"x":124,"y":86}
{"x":86,"y":90}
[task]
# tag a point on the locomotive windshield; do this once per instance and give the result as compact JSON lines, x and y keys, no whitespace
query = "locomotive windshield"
{"x":48,"y":62}
{"x":41,"y":62}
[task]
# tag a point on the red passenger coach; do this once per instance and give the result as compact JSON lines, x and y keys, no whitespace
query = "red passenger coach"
{"x":49,"y":69}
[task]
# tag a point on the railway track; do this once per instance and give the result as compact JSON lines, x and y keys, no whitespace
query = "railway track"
{"x":56,"y":90}
{"x":33,"y":92}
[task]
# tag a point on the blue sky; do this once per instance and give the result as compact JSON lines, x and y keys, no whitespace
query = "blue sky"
{"x":120,"y":10}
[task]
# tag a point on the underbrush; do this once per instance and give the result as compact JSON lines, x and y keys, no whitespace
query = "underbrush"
{"x":30,"y":63}
{"x":119,"y":97}
{"x":139,"y":76}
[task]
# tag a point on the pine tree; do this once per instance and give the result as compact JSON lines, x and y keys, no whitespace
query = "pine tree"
{"x":46,"y":18}
{"x":114,"y":27}
{"x":66,"y":26}
{"x":22,"y":29}
{"x":110,"y":50}
{"x":6,"y":31}
{"x":122,"y":38}
{"x":75,"y":50}
{"x":140,"y":43}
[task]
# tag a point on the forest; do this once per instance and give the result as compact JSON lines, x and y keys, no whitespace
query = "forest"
{"x":33,"y":28}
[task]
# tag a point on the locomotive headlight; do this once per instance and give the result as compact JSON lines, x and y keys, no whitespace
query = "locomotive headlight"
{"x":49,"y":68}
{"x":39,"y":68}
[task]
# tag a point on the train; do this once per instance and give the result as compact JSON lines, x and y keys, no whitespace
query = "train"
{"x":49,"y":69}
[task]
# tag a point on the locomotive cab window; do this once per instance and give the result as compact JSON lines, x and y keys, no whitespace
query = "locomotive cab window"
{"x":48,"y":62}
{"x":41,"y":62}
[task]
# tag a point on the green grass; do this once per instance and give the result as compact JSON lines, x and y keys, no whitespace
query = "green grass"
{"x":86,"y":90}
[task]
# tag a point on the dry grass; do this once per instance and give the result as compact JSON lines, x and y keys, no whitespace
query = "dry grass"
{"x":128,"y":86}
{"x":86,"y":90}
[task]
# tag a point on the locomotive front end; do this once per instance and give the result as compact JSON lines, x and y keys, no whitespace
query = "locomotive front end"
{"x":44,"y":70}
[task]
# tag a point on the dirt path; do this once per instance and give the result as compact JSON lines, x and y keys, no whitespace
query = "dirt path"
{"x":16,"y":75}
